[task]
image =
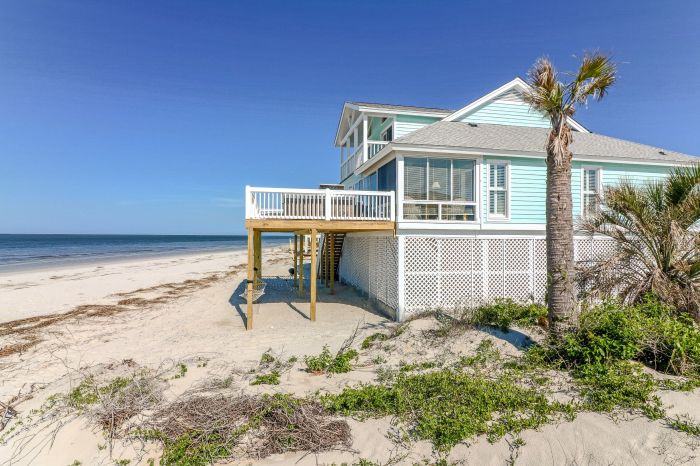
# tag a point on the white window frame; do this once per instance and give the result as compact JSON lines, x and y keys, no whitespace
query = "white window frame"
{"x":451,"y":157}
{"x":599,"y":183}
{"x":507,"y":189}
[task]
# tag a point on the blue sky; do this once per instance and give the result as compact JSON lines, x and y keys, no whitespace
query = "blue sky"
{"x":151,"y":117}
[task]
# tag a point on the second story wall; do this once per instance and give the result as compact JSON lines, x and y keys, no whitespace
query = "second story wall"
{"x":406,"y":124}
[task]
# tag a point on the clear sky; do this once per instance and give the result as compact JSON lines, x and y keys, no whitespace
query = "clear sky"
{"x":151,"y":117}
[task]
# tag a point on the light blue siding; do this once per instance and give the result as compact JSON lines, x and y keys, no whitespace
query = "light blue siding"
{"x":514,"y":114}
{"x":528,"y":189}
{"x":613,"y":173}
{"x":406,"y":124}
{"x":528,"y":185}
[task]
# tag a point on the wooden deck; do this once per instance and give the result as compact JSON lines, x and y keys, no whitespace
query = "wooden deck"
{"x":309,"y":212}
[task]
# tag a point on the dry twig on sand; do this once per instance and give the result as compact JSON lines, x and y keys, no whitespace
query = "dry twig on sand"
{"x":220,"y":426}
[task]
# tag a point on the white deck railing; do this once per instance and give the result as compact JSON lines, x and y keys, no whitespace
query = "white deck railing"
{"x":358,"y":157}
{"x":318,"y":204}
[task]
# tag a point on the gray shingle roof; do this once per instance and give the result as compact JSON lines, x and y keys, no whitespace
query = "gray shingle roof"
{"x":519,"y":138}
{"x":402,"y":107}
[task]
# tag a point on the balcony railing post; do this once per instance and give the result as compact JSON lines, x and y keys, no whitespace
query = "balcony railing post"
{"x":328,"y":204}
{"x":392,"y":202}
{"x":247,"y":202}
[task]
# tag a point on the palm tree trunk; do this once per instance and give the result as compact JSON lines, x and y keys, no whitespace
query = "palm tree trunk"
{"x":560,"y":245}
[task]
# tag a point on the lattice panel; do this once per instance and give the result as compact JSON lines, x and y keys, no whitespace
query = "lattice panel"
{"x":448,"y":272}
{"x":370,"y":263}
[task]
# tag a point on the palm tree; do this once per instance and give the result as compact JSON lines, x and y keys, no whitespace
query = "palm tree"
{"x":657,"y":242}
{"x":559,"y":101}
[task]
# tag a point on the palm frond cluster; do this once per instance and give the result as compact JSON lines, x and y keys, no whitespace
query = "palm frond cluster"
{"x":656,"y":230}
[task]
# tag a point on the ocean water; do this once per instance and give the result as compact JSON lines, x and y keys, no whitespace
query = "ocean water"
{"x":22,"y":252}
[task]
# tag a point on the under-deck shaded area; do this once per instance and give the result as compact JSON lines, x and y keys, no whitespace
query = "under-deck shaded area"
{"x":319,"y":218}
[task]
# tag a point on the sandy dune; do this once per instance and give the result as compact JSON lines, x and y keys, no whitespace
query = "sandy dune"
{"x":161,"y":313}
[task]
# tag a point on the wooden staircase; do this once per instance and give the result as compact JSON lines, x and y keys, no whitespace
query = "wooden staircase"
{"x":325,"y":256}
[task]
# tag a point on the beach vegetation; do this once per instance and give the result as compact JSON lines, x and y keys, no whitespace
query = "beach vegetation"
{"x":455,"y":406}
{"x":328,"y":363}
{"x":273,"y":378}
{"x":198,"y":430}
{"x":370,"y":340}
{"x":654,"y":228}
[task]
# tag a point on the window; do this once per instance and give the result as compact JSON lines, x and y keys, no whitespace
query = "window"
{"x":439,"y":189}
{"x":388,"y":134}
{"x":387,"y":177}
{"x":590,"y":189}
{"x":498,"y":190}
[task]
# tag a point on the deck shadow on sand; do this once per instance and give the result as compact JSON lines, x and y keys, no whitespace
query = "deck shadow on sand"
{"x":516,"y":338}
{"x":284,"y":290}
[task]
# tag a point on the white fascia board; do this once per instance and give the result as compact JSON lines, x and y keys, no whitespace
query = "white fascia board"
{"x":516,"y":83}
{"x":389,"y":111}
{"x":528,"y":154}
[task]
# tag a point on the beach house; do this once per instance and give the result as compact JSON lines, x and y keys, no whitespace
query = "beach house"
{"x":446,"y":207}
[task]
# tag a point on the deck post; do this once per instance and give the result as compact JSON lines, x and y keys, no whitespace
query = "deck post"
{"x":257,"y":237}
{"x":301,"y":263}
{"x":320,"y":268}
{"x":332,"y":263}
{"x":325,"y":261}
{"x":312,"y":300}
{"x":251,"y":260}
{"x":296,"y":268}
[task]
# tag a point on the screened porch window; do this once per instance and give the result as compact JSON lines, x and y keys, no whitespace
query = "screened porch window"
{"x":439,"y":189}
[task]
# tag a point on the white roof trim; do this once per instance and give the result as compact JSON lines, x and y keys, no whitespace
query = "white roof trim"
{"x":516,"y":83}
{"x":388,"y":152}
{"x":383,"y":111}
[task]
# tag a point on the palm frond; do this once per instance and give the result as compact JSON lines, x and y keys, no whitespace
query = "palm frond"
{"x":595,"y":76}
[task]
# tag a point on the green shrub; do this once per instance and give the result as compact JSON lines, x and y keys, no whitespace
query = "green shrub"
{"x":650,"y":332}
{"x":273,"y":378}
{"x":506,"y":313}
{"x":367,"y":342}
{"x":447,"y":407}
{"x":88,"y":392}
{"x":326,"y":363}
{"x":619,"y":384}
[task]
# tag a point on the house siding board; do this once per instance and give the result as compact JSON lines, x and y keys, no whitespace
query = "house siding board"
{"x":406,"y":124}
{"x":528,"y":189}
{"x":500,"y":113}
{"x":528,"y":185}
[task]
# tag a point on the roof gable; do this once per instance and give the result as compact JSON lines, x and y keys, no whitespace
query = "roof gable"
{"x":506,"y":106}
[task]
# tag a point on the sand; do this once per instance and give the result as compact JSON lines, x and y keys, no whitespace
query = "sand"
{"x":162,"y":313}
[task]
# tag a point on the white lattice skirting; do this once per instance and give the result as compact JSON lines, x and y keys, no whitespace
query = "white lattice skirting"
{"x":448,"y":272}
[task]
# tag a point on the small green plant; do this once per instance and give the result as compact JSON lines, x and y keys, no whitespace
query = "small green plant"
{"x":485,"y":353}
{"x":272,"y":378}
{"x":685,"y":424}
{"x":182,"y":371}
{"x":122,"y":462}
{"x":267,"y":358}
{"x":88,"y":393}
{"x":327,"y":363}
{"x":370,"y":340}
{"x":379,"y":359}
